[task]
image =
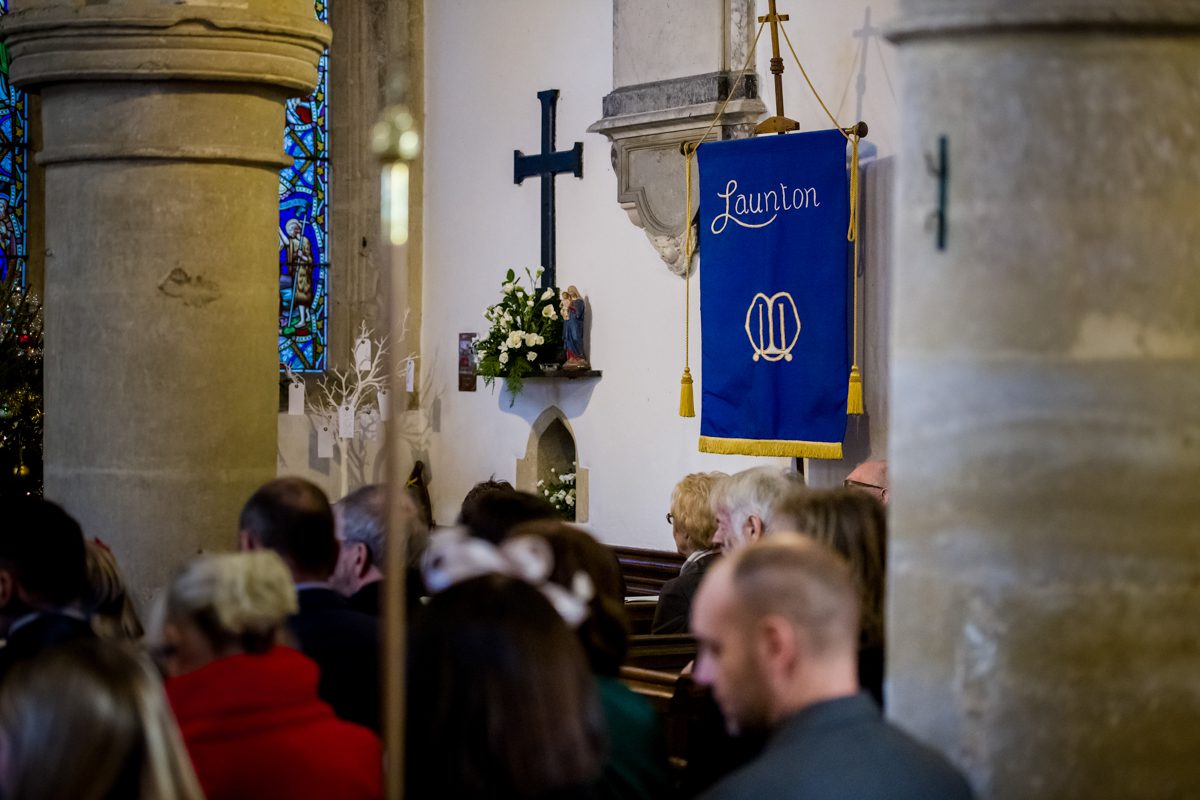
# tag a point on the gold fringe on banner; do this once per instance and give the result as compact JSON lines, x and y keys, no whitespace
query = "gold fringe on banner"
{"x":770,"y":447}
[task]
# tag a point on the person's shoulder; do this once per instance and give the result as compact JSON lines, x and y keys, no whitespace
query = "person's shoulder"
{"x":367,"y":599}
{"x":46,"y":632}
{"x":924,"y":771}
{"x":316,"y":599}
{"x":770,"y":775}
{"x":325,"y":614}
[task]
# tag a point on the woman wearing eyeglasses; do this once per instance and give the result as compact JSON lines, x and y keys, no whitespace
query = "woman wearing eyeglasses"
{"x":693,"y":525}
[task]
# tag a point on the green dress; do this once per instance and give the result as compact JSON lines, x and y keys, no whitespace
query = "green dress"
{"x":636,"y":766}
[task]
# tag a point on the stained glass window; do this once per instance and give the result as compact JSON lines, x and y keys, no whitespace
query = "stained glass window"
{"x":14,"y":155}
{"x":304,"y":226}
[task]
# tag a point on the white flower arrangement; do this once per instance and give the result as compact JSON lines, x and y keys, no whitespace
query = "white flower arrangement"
{"x":522,"y":320}
{"x":559,"y":490}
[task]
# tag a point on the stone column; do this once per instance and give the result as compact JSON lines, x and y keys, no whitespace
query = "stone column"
{"x":162,"y":141}
{"x":1045,"y":435}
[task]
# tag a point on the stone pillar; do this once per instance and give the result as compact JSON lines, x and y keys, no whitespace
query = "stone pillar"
{"x":1045,"y":435}
{"x":162,"y":140}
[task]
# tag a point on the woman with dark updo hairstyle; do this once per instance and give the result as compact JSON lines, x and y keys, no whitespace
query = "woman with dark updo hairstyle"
{"x":501,"y":705}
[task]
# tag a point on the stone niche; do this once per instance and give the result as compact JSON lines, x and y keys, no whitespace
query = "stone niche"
{"x":552,"y":445}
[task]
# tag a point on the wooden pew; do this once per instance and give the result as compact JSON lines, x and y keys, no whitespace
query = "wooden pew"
{"x":640,"y":612}
{"x":653,"y":669}
{"x":645,"y":571}
{"x":664,"y":652}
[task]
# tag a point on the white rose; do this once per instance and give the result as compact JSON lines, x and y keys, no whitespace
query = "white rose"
{"x":530,"y":339}
{"x":546,"y":295}
{"x":540,"y":339}
{"x":504,"y":357}
{"x":531,"y":355}
{"x":515,"y":338}
{"x":508,"y":288}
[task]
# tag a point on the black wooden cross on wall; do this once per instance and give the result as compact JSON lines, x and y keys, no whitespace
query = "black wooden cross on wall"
{"x":546,"y":165}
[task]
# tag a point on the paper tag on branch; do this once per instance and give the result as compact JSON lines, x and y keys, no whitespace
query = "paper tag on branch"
{"x":410,"y":375}
{"x":362,"y":354}
{"x":296,"y":398}
{"x":346,"y":422}
{"x":385,"y":404}
{"x":324,"y":441}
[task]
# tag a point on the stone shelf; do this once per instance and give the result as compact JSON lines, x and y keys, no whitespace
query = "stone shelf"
{"x":568,"y":374}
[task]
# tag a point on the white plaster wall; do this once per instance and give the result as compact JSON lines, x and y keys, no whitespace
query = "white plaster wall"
{"x":486,"y":62}
{"x":856,"y":85}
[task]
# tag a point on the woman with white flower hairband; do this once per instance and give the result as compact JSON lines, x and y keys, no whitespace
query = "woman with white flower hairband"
{"x":583,"y":581}
{"x":636,"y":764}
{"x":501,"y":704}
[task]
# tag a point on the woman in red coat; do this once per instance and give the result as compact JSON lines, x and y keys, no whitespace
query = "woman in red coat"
{"x":247,"y":706}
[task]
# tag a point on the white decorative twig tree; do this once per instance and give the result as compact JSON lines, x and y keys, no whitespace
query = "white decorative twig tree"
{"x":352,"y":403}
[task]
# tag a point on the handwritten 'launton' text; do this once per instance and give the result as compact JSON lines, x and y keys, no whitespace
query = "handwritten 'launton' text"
{"x":748,"y":209}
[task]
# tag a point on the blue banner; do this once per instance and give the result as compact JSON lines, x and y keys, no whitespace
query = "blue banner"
{"x":774,"y":306}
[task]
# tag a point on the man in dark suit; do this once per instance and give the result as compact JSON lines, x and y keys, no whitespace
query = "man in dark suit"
{"x":777,"y":625}
{"x":43,"y":572}
{"x":360,"y":521}
{"x":292,"y":517}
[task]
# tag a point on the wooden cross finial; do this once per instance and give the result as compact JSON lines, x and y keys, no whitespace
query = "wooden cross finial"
{"x":778,"y":123}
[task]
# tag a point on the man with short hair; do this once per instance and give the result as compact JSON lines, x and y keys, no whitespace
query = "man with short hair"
{"x":360,"y":521}
{"x":43,"y":575}
{"x":777,"y":625}
{"x":292,"y":517}
{"x":744,"y":504}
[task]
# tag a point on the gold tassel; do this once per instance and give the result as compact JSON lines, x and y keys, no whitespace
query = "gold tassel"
{"x":854,"y":399}
{"x":687,"y":402}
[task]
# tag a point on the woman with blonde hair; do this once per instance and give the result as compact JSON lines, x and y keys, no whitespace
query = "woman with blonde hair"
{"x":247,"y":705}
{"x":111,"y":609}
{"x":89,"y":721}
{"x":692,"y":526}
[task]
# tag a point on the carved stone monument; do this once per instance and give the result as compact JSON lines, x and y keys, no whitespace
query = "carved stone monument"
{"x":664,"y":96}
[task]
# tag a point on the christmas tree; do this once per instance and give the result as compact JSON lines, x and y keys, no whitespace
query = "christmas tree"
{"x":20,"y":389}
